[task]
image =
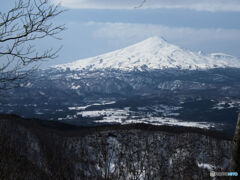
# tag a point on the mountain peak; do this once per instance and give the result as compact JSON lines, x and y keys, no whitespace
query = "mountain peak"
{"x":153,"y":53}
{"x":153,"y":42}
{"x":155,"y":39}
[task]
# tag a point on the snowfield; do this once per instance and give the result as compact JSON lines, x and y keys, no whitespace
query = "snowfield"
{"x":126,"y":116}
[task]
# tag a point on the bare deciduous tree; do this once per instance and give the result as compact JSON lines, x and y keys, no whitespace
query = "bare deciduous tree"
{"x":20,"y":27}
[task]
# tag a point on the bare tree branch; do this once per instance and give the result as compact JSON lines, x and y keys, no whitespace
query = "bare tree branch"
{"x":141,"y":5}
{"x":24,"y":24}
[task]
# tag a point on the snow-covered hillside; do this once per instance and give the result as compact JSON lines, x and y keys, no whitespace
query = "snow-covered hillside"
{"x":153,"y":53}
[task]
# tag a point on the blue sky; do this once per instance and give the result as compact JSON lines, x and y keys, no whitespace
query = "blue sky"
{"x":99,"y":26}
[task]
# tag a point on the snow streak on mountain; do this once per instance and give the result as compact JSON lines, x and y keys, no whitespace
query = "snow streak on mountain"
{"x":151,"y":54}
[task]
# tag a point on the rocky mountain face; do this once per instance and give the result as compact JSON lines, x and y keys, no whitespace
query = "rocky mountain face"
{"x":37,"y":149}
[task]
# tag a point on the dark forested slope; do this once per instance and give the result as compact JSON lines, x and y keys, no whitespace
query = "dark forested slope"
{"x":37,"y":149}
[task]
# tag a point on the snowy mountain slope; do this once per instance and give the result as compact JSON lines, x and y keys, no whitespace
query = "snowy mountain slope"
{"x":153,"y":53}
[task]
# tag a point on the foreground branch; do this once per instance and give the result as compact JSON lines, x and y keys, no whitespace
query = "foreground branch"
{"x":24,"y":24}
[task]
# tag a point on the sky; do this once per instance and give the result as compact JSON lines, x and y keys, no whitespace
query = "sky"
{"x":95,"y":27}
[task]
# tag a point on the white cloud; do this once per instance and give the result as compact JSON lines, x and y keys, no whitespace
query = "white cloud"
{"x":199,"y":5}
{"x":129,"y":30}
{"x":209,"y":40}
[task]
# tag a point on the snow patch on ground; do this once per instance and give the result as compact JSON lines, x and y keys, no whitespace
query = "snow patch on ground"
{"x":123,"y":117}
{"x":75,"y":87}
{"x":206,"y":166}
{"x":94,"y":104}
{"x":227,"y":105}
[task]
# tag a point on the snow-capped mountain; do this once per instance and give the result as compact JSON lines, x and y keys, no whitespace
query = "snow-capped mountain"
{"x":150,"y":82}
{"x":153,"y":53}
